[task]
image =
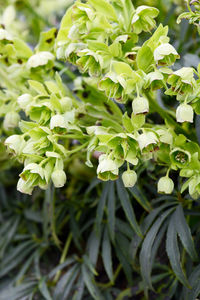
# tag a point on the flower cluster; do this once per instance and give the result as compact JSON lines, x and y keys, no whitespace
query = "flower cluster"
{"x":102,"y":38}
{"x":41,"y":146}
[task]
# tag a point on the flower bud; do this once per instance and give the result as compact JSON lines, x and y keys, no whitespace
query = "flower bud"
{"x":24,"y":100}
{"x":165,"y":185}
{"x":11,"y":120}
{"x":23,"y":187}
{"x":184,"y":113}
{"x":140,"y":106}
{"x":57,"y":121}
{"x":59,"y":178}
{"x":129,"y":178}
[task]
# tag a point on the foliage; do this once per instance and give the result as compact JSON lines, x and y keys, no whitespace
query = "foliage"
{"x":105,"y":92}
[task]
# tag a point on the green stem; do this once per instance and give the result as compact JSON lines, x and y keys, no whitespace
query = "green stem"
{"x":78,"y":148}
{"x":112,"y":282}
{"x":63,"y":256}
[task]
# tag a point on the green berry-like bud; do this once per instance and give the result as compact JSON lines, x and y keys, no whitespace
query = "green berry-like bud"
{"x":165,"y":185}
{"x":140,"y":106}
{"x":184,"y":113}
{"x":59,"y":178}
{"x":24,"y":100}
{"x":129,"y":178}
{"x":11,"y":120}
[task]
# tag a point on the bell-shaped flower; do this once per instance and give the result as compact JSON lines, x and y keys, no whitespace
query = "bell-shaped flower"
{"x":143,"y":18}
{"x":140,"y":105}
{"x":58,"y":121}
{"x":129,"y":178}
{"x":180,"y":157}
{"x":165,"y":185}
{"x":16,"y":143}
{"x":184,"y":113}
{"x":147,"y":138}
{"x":165,"y":55}
{"x":182,"y":82}
{"x":40,"y":59}
{"x":24,"y":187}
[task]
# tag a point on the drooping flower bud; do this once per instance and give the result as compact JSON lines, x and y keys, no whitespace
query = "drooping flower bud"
{"x":165,"y":185}
{"x":140,"y":105}
{"x":184,"y":113}
{"x":59,"y":178}
{"x":11,"y":120}
{"x":129,"y":178}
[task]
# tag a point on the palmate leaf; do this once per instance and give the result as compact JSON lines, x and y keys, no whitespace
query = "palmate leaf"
{"x":173,"y":251}
{"x":178,"y":227}
{"x":64,"y":282}
{"x":90,"y":283}
{"x":184,"y":233}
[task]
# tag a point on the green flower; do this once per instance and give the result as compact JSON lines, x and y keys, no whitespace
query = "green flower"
{"x":58,"y":121}
{"x":16,"y":143}
{"x":32,"y":175}
{"x":165,"y":55}
{"x":24,"y":187}
{"x":129,"y":178}
{"x":147,"y":138}
{"x":180,"y":157}
{"x":40,"y":59}
{"x":165,"y":185}
{"x":143,"y":18}
{"x":182,"y":82}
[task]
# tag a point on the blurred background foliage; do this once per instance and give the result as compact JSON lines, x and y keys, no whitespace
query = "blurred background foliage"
{"x":79,"y":242}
